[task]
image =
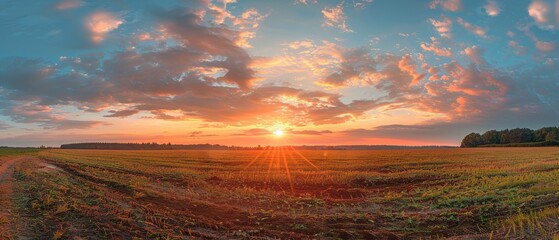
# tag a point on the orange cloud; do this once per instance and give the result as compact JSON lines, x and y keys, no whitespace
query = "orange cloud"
{"x":143,"y":37}
{"x":542,"y":46}
{"x":545,"y":46}
{"x":100,"y":24}
{"x":435,"y":47}
{"x":69,"y":4}
{"x":448,"y":5}
{"x":246,"y":24}
{"x":301,"y":44}
{"x":539,"y":11}
{"x":407,"y":65}
{"x":335,"y":17}
{"x":443,"y":26}
{"x":472,"y":28}
{"x":474,"y":53}
{"x":492,"y":9}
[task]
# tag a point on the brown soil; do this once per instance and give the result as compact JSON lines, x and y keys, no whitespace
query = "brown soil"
{"x":11,"y":223}
{"x":6,"y":217}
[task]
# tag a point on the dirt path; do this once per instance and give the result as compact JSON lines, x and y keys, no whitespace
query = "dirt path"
{"x":6,"y":174}
{"x":8,"y":219}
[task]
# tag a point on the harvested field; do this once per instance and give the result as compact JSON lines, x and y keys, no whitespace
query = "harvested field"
{"x":281,"y":193}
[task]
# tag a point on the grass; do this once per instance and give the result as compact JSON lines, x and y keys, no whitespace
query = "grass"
{"x":9,"y":152}
{"x":490,"y":192}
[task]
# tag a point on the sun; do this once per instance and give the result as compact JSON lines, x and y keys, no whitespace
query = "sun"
{"x":278,"y":133}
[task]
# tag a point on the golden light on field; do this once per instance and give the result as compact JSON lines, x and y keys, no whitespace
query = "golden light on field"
{"x":280,"y":158}
{"x":278,"y":133}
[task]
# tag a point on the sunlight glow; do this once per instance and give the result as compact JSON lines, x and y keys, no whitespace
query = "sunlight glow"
{"x":278,"y":132}
{"x":278,"y":160}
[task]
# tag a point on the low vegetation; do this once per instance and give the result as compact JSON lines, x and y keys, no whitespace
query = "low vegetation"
{"x":485,"y":193}
{"x":9,"y":152}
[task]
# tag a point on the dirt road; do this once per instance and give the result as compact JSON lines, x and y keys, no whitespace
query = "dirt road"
{"x":6,"y":178}
{"x":7,"y":217}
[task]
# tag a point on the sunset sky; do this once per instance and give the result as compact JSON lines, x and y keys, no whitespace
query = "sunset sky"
{"x":235,"y":71}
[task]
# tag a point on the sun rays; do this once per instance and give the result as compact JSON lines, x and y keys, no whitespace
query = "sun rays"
{"x":279,"y":159}
{"x":278,"y":132}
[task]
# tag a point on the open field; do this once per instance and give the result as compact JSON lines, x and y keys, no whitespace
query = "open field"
{"x":281,"y":193}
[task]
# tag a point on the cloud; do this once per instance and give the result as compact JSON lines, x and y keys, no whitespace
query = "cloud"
{"x":464,"y":91}
{"x":475,"y":54}
{"x":333,"y":66}
{"x":305,"y":2}
{"x":518,"y":49}
{"x":539,"y":11}
{"x":542,"y":46}
{"x":246,"y":24}
{"x":301,"y":44}
{"x":144,"y":37}
{"x":407,"y":65}
{"x":198,"y":134}
{"x":479,"y":99}
{"x":42,"y":115}
{"x":66,"y":124}
{"x":55,"y":139}
{"x":186,"y":27}
{"x":435,"y":47}
{"x":557,"y":11}
{"x":447,"y":5}
{"x":309,"y":132}
{"x":195,"y":133}
{"x":69,"y":4}
{"x":492,"y":8}
{"x":335,"y":17}
{"x":4,"y":126}
{"x":100,"y":24}
{"x":207,"y":64}
{"x":443,"y":26}
{"x":191,"y":65}
{"x":122,"y":113}
{"x":155,"y":82}
{"x":361,"y":3}
{"x":254,"y":132}
{"x":444,"y":132}
{"x":162,"y":89}
{"x":473,"y":28}
{"x":338,"y":67}
{"x":545,"y":46}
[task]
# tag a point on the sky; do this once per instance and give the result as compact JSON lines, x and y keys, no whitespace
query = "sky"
{"x":235,"y":72}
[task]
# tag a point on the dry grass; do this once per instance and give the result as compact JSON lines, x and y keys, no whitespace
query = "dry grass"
{"x":492,"y":193}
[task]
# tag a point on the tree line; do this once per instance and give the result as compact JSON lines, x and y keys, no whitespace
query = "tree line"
{"x":546,"y":136}
{"x":148,"y":146}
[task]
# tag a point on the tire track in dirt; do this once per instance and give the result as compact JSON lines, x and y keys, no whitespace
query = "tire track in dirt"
{"x":6,"y":196}
{"x":12,"y":224}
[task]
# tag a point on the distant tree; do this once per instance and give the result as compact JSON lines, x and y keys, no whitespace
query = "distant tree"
{"x":505,"y":137}
{"x":540,"y":134}
{"x":552,"y":135}
{"x":472,"y":140}
{"x":491,"y":137}
{"x":546,"y":136}
{"x":521,"y":135}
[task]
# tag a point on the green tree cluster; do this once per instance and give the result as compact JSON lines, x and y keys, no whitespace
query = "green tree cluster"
{"x":511,"y":136}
